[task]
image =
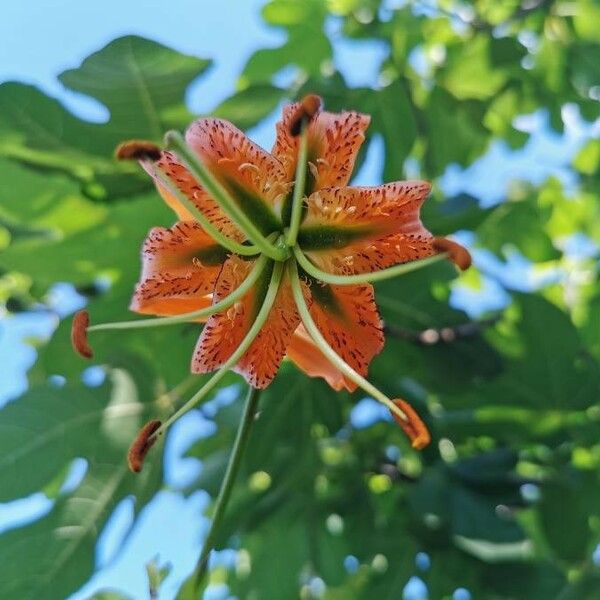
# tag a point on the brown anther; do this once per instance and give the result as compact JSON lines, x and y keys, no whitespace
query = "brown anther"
{"x":413,"y":427}
{"x":79,"y":340}
{"x":142,"y":443}
{"x":308,"y":107}
{"x":458,"y":254}
{"x":138,"y":150}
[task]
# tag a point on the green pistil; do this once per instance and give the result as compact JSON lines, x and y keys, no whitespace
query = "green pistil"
{"x":332,"y":279}
{"x":328,"y":351}
{"x":299,"y":184}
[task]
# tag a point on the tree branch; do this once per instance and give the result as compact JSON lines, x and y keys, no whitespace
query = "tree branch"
{"x":443,"y":335}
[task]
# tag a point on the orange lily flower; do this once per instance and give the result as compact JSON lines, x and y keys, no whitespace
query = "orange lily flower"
{"x":345,"y":230}
{"x":276,"y":252}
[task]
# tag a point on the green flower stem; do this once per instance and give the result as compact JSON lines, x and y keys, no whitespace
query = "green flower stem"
{"x":333,"y":279}
{"x":329,"y":352}
{"x":299,"y":185}
{"x":175,"y":142}
{"x":214,"y":233}
{"x":260,"y":320}
{"x":231,"y":472}
{"x":242,"y":289}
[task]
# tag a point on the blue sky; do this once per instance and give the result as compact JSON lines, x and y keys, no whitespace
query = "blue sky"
{"x":41,"y":39}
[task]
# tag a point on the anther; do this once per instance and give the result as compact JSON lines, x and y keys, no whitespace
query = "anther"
{"x":458,"y":254}
{"x":308,"y":107}
{"x":142,"y":443}
{"x":138,"y":150}
{"x":79,"y":340}
{"x":413,"y":427}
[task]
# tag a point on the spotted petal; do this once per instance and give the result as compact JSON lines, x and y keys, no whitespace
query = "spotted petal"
{"x":334,"y":140}
{"x":225,"y":331}
{"x":363,"y":229}
{"x":179,"y":270}
{"x":186,"y":183}
{"x":307,"y":356}
{"x":348,"y":319}
{"x":254,"y":178}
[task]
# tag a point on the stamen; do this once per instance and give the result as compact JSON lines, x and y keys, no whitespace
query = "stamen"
{"x":221,"y":196}
{"x":334,"y":279}
{"x":138,"y":150}
{"x":414,"y":428}
{"x":140,"y":446}
{"x":254,"y":330}
{"x":215,"y":233}
{"x":228,"y":301}
{"x":298,"y":195}
{"x":79,"y":341}
{"x":308,"y":108}
{"x":458,"y":254}
{"x":339,"y":362}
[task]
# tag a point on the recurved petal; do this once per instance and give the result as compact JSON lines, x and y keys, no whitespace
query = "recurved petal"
{"x":349,"y":321}
{"x":186,"y":183}
{"x":254,"y":178}
{"x":179,"y":270}
{"x":307,"y":356}
{"x":225,"y":331}
{"x":363,"y":229}
{"x":334,"y":140}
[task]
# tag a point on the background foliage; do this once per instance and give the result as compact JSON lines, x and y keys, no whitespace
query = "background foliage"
{"x":506,"y":500}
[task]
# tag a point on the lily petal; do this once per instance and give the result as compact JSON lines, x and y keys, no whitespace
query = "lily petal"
{"x":334,"y":140}
{"x":180,"y":266}
{"x":254,"y":178}
{"x":348,"y":318}
{"x":186,"y":183}
{"x":224,"y":331}
{"x":307,"y":356}
{"x":363,"y":229}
